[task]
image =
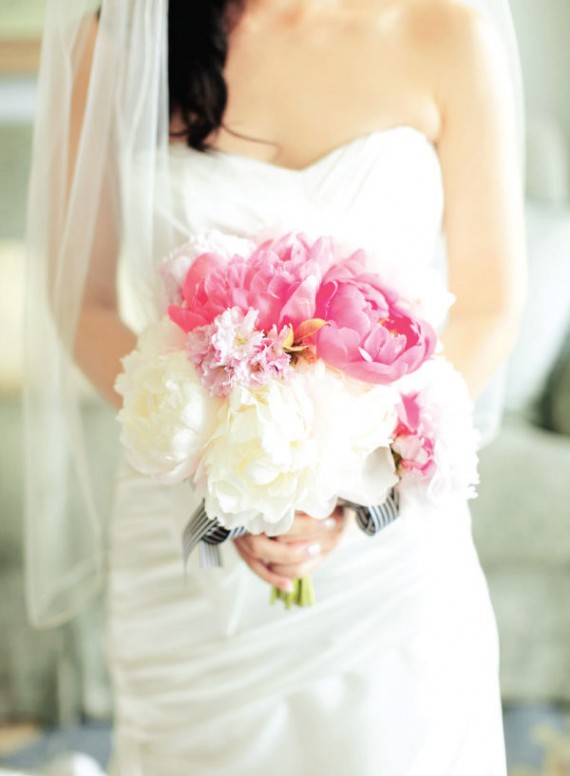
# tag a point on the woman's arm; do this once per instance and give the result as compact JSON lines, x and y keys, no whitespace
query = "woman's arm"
{"x":484,"y":200}
{"x":102,"y":338}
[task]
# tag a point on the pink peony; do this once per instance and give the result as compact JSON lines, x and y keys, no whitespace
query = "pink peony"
{"x":174,"y":267}
{"x":435,"y":440}
{"x":369,"y":335}
{"x":279,"y":279}
{"x":414,"y":440}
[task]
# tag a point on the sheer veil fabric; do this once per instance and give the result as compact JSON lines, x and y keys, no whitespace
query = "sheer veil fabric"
{"x":84,"y":221}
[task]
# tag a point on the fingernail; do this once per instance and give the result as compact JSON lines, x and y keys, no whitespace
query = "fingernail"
{"x":314,"y":549}
{"x":287,"y":587}
{"x":330,"y":523}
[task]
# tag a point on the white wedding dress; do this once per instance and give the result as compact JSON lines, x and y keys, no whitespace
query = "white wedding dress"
{"x":394,"y":671}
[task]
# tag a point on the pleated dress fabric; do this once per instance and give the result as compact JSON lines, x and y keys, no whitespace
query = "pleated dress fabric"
{"x":394,"y":671}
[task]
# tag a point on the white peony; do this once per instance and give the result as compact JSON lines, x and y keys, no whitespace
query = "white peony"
{"x":167,"y":415}
{"x":161,"y":337}
{"x":260,"y":460}
{"x":353,"y":427}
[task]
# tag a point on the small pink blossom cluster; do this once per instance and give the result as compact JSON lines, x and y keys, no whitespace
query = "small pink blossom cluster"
{"x":231,"y":351}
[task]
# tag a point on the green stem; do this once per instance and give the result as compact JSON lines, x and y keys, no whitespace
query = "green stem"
{"x":303,"y":593}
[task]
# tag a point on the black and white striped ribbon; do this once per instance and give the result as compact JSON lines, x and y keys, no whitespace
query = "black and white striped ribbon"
{"x":208,"y":533}
{"x":374,"y":518}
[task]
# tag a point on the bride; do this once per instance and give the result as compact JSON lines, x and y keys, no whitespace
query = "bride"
{"x":390,"y":123}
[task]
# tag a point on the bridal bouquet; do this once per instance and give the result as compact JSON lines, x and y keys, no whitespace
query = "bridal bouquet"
{"x":286,"y":375}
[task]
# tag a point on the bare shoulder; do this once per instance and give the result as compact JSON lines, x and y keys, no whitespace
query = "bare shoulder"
{"x":443,"y":32}
{"x":427,"y":19}
{"x":453,"y":21}
{"x":462,"y":55}
{"x":439,"y":53}
{"x":447,"y":39}
{"x":458,"y":40}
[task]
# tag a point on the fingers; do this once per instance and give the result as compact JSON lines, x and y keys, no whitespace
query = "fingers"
{"x":275,"y":573}
{"x":256,"y":565}
{"x":278,"y":563}
{"x":303,"y":548}
{"x":327,"y":545}
{"x":308,"y":529}
{"x":270,"y":550}
{"x":297,"y":570}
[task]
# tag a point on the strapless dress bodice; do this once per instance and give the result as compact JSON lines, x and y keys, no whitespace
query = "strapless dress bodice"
{"x":381,"y":191}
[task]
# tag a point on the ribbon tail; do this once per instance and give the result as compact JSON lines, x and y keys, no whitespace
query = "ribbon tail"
{"x":207,"y":533}
{"x":197,"y":527}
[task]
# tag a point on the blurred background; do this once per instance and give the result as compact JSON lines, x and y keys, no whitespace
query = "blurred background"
{"x":54,"y":691}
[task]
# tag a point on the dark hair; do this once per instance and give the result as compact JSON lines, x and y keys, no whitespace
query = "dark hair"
{"x":197,"y":51}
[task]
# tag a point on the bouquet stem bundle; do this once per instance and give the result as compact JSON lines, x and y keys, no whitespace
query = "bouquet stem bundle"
{"x":303,"y":593}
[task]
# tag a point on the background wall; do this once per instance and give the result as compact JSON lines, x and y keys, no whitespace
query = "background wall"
{"x":21,"y":18}
{"x":543,"y":31}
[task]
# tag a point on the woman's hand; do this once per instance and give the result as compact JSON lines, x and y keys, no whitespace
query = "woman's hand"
{"x":295,"y":554}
